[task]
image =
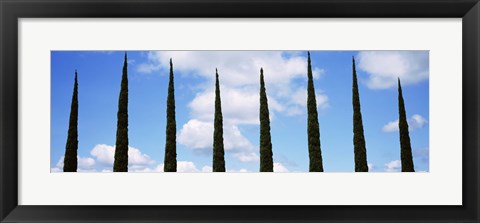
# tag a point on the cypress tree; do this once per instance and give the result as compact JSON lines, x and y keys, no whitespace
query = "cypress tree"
{"x":170,"y":163}
{"x":121,"y":145}
{"x":266,"y":154}
{"x":70,"y":160}
{"x":360,"y":150}
{"x":405,"y":147}
{"x":218,"y":150}
{"x":314,"y":149}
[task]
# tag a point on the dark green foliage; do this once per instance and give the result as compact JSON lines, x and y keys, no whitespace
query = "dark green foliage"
{"x":405,"y":147}
{"x":314,"y":149}
{"x":121,"y":146}
{"x":70,"y":160}
{"x":170,"y":163}
{"x":359,"y":148}
{"x":266,"y":154}
{"x":218,"y":150}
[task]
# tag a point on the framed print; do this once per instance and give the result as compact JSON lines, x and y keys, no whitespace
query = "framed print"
{"x":276,"y":110}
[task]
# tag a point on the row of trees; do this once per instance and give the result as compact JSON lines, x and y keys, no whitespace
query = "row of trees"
{"x":266,"y":153}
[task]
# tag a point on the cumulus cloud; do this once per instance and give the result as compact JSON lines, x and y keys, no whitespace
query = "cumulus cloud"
{"x":239,"y":83}
{"x":55,"y":170}
{"x":278,"y":167}
{"x":238,"y":66}
{"x":415,"y":122}
{"x":238,"y":171}
{"x":198,"y":135}
{"x":182,"y":166}
{"x":244,"y":99}
{"x":371,"y":166}
{"x":239,"y":77}
{"x":158,"y":168}
{"x":393,"y":166}
{"x":384,"y":67}
{"x":186,"y":166}
{"x":84,"y":164}
{"x":207,"y":169}
{"x":105,"y":154}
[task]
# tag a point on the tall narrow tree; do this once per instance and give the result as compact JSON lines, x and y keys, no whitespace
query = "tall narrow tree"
{"x":266,"y":154}
{"x":314,"y":149}
{"x":170,"y":163}
{"x":121,"y":146}
{"x":218,"y":150}
{"x":70,"y":159}
{"x":359,"y":147}
{"x":405,"y":147}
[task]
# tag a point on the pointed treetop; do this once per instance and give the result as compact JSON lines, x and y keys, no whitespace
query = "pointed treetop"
{"x":171,"y":64}
{"x":125,"y":55}
{"x":216,"y":70}
{"x":261,"y":70}
{"x":353,"y":65}
{"x":75,"y":74}
{"x":399,"y":82}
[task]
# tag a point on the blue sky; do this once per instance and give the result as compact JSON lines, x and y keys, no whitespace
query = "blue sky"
{"x":99,"y":76}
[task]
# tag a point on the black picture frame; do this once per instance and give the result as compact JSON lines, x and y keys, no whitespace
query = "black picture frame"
{"x":12,"y":10}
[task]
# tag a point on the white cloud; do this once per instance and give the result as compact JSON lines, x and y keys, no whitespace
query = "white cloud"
{"x":182,"y":166}
{"x":278,"y":167}
{"x":391,"y":126}
{"x":186,"y":166}
{"x":136,"y":157}
{"x":371,"y":166}
{"x":105,"y":154}
{"x":239,"y":73}
{"x":198,"y":135}
{"x":239,"y":67}
{"x":138,"y":162}
{"x":239,"y":105}
{"x":158,"y":168}
{"x":384,"y":67}
{"x":239,"y":77}
{"x":238,"y":171}
{"x":207,"y":169}
{"x":415,"y":122}
{"x":84,"y":164}
{"x":393,"y":166}
{"x":55,"y":170}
